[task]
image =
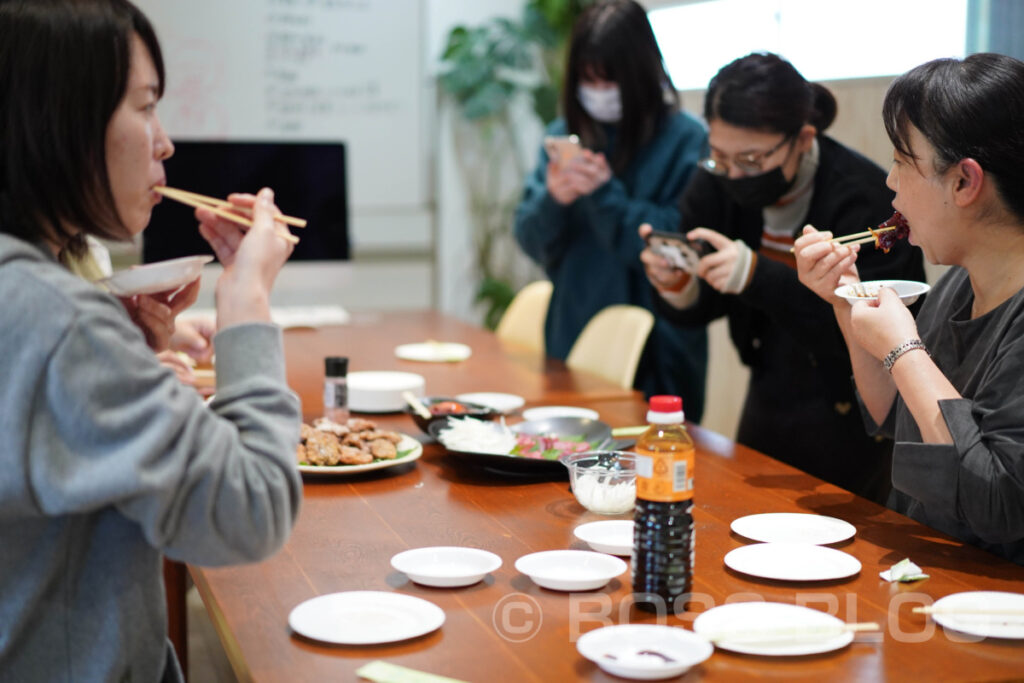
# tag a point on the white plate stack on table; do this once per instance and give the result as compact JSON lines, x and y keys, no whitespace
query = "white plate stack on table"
{"x":381,"y":391}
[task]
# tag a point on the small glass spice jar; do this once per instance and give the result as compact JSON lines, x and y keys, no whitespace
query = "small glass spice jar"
{"x":336,"y":389}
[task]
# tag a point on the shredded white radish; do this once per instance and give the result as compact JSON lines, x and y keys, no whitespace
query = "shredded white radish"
{"x":478,"y":436}
{"x":599,"y":491}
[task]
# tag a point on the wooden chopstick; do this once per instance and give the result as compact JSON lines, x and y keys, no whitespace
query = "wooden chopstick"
{"x":786,"y":633}
{"x":225,"y":204}
{"x":855,"y":238}
{"x":179,"y":196}
{"x":992,"y":611}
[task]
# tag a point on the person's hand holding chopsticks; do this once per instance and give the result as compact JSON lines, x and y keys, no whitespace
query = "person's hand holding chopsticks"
{"x":252,"y":258}
{"x":823,"y":265}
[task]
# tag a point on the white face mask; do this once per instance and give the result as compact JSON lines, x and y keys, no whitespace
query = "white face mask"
{"x":602,"y":104}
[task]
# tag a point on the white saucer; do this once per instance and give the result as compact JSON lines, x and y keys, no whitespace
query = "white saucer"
{"x":793,"y":527}
{"x":644,"y":651}
{"x":162,"y":276}
{"x":434,"y":352}
{"x":740,"y":617}
{"x":613,"y":536}
{"x":365,"y":617}
{"x":570,"y":570}
{"x":503,"y":403}
{"x":381,"y":392}
{"x":446,"y":566}
{"x":792,"y":562}
{"x":908,"y":290}
{"x":985,"y":625}
{"x":546,"y":412}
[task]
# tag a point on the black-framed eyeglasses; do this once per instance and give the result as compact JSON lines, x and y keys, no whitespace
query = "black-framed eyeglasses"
{"x":748,"y":164}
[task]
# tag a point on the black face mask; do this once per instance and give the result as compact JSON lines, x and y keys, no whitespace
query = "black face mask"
{"x":757,"y":191}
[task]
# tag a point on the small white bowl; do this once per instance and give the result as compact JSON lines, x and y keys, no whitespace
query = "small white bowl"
{"x":907,"y":290}
{"x":162,"y":276}
{"x":503,"y":403}
{"x":613,"y":536}
{"x":547,"y":412}
{"x":570,"y":570}
{"x":446,"y":566}
{"x":381,"y":391}
{"x":644,"y":651}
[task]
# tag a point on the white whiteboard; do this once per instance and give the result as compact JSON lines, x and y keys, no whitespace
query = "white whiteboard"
{"x":303,"y":70}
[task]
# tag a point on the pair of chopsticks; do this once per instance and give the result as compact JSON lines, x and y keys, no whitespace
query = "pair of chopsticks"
{"x":768,"y":635}
{"x":980,"y":611}
{"x":220,"y":207}
{"x":856,"y":238}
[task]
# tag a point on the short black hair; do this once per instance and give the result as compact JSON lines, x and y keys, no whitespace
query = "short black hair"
{"x":967,"y":109}
{"x":764,"y":92}
{"x":64,"y":68}
{"x":613,"y":40}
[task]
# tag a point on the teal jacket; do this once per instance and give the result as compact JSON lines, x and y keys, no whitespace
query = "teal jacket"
{"x":591,"y":252}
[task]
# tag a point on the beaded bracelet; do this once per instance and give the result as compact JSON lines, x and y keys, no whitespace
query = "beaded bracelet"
{"x":901,"y":349}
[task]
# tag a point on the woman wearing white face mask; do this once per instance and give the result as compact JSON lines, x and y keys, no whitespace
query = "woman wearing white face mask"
{"x":579,"y":216}
{"x":770,"y":172}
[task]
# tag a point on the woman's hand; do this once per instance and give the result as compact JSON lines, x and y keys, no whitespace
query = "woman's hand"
{"x":155,"y":314}
{"x":717,"y":268}
{"x":194,"y":336}
{"x":580,"y":176}
{"x":823,"y":265}
{"x":662,"y":275}
{"x":251,"y":258}
{"x":882,"y":325}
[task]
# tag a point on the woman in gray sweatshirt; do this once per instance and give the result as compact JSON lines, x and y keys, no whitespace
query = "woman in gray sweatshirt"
{"x":107,"y":462}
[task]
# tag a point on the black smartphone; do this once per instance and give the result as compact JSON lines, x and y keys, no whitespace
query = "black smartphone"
{"x":679,"y":251}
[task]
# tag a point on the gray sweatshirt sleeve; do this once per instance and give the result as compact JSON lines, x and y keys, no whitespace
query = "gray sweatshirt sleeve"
{"x":207,"y":485}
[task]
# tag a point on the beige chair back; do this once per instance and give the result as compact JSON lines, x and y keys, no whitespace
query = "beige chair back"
{"x":523,"y":321}
{"x":611,"y":343}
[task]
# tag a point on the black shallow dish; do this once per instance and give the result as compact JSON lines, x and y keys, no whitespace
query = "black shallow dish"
{"x":475,"y":410}
{"x":596,"y":432}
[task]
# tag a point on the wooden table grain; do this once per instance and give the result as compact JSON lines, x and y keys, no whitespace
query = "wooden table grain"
{"x":506,"y":628}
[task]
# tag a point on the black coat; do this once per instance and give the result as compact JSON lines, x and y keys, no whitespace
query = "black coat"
{"x":800,"y":406}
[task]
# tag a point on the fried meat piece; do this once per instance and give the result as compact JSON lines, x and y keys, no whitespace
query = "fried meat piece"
{"x":322,"y":448}
{"x":383,"y":449}
{"x":349,"y":455}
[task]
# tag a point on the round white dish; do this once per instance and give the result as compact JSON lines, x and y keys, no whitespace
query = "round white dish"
{"x":747,"y":617}
{"x":613,"y":536}
{"x":162,"y":276}
{"x":985,"y":625}
{"x":365,"y":617}
{"x":644,"y":652}
{"x":793,"y":527}
{"x":381,"y":391}
{"x":410,"y":447}
{"x":547,"y":412}
{"x":503,"y":403}
{"x":908,"y":290}
{"x":445,"y":566}
{"x":570,"y":570}
{"x":434,"y":352}
{"x":792,"y":562}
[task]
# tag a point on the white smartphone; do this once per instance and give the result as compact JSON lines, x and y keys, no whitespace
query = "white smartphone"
{"x":562,"y":148}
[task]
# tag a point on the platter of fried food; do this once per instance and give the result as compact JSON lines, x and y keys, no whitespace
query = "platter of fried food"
{"x":327,"y":447}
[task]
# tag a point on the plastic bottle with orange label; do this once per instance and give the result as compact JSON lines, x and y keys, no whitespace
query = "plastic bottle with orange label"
{"x":663,"y":535}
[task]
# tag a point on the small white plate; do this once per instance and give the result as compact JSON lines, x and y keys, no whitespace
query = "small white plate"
{"x":793,"y":527}
{"x":792,"y":562}
{"x":644,"y":652}
{"x":503,"y":403}
{"x":446,"y":566}
{"x":381,"y":391}
{"x":570,"y":570}
{"x":751,"y":616}
{"x":414,"y":448}
{"x":985,"y":625}
{"x":365,"y":617}
{"x":547,"y":412}
{"x":908,"y":290}
{"x":162,"y":276}
{"x":613,"y":536}
{"x":434,"y":352}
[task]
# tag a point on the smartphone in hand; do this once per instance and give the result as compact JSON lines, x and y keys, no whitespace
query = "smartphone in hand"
{"x":562,"y":148}
{"x":680,"y":252}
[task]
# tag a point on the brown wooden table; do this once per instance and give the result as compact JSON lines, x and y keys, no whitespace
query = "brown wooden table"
{"x":508,"y":629}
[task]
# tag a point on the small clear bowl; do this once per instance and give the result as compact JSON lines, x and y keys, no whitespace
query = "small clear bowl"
{"x":603,"y":481}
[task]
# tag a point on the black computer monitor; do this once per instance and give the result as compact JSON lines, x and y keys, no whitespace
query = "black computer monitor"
{"x":308,"y":181}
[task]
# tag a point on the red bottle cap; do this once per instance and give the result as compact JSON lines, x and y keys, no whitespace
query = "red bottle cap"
{"x":666,"y":404}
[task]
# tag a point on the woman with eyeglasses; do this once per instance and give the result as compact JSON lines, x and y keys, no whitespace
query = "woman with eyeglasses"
{"x":772,"y":170}
{"x":579,"y":214}
{"x":947,"y":384}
